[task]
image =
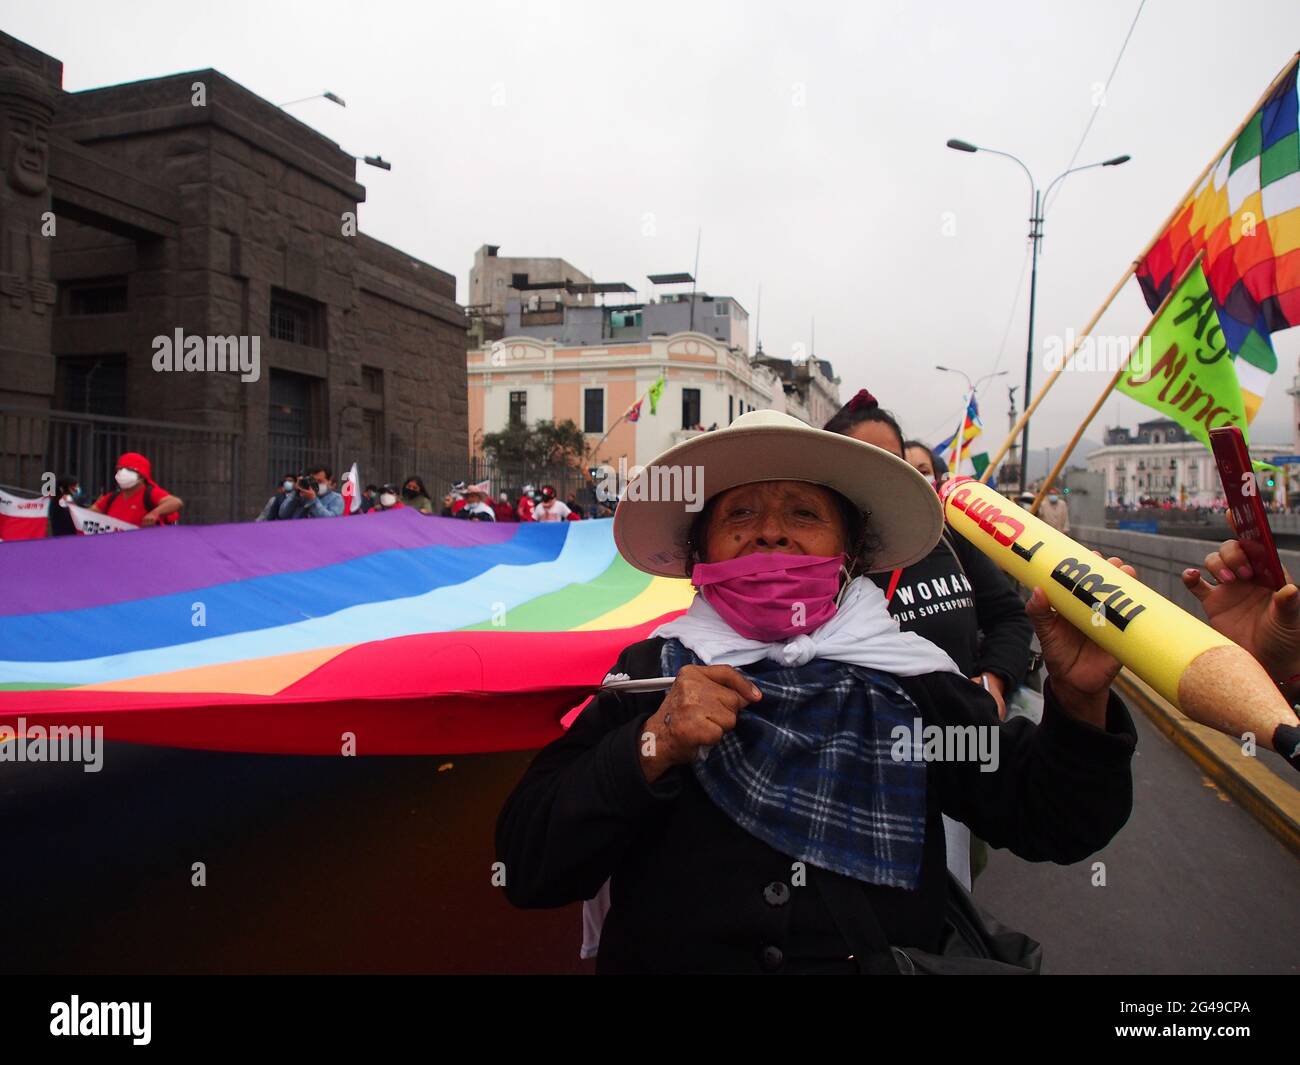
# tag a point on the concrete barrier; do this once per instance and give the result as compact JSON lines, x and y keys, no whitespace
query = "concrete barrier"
{"x":1160,"y":559}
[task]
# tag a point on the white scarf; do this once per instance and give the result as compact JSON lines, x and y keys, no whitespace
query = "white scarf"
{"x":861,"y":633}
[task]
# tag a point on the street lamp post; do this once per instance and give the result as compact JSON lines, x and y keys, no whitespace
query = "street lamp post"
{"x":1035,"y":237}
{"x":1011,"y":424}
{"x":331,"y":97}
{"x":370,"y":160}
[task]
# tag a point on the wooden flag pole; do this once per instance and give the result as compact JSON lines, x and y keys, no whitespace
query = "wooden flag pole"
{"x":1110,"y":387}
{"x":1132,"y":268}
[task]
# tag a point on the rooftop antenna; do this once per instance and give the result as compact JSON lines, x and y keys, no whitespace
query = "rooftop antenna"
{"x":696,"y":273}
{"x":812,"y":340}
{"x":758,"y":323}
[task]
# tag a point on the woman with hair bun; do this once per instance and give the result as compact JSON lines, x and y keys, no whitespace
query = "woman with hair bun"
{"x":955,"y":597}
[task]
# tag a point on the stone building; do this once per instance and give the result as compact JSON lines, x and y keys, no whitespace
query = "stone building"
{"x":495,"y":279}
{"x":523,"y":380}
{"x":812,"y":391}
{"x":139,"y":217}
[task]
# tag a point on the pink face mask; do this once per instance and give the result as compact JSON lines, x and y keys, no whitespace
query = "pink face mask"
{"x":771,"y":597}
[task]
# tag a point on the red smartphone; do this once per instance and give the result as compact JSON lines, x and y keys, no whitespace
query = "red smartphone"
{"x":1241,"y":487}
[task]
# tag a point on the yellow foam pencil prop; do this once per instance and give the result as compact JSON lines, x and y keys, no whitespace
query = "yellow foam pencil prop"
{"x":1207,"y":676}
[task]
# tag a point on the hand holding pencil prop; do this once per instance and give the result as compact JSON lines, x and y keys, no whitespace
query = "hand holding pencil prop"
{"x":1203,"y":673}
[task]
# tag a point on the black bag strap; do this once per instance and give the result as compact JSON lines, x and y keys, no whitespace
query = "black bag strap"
{"x":857,"y":923}
{"x":946,"y":538}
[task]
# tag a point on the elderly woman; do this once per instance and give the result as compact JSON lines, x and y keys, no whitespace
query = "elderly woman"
{"x":773,"y":807}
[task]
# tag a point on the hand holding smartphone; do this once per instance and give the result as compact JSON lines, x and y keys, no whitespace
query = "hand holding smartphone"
{"x":1241,"y":487}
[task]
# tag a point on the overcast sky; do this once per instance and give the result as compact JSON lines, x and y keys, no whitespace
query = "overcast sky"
{"x":806,"y":140}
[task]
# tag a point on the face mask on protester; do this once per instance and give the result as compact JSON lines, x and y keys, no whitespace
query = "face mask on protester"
{"x":387,"y":499}
{"x":409,"y":492}
{"x":126,"y":479}
{"x":287,"y":484}
{"x":763,"y":595}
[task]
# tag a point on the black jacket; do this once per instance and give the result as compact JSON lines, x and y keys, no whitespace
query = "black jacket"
{"x":693,"y":892}
{"x":955,"y":593}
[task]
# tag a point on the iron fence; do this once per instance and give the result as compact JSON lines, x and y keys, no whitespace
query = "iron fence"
{"x":202,"y":465}
{"x":438,"y":470}
{"x":197,"y":463}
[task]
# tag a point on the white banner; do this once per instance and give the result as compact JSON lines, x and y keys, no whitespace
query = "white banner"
{"x":12,"y":506}
{"x":351,"y":491}
{"x":92,"y":523}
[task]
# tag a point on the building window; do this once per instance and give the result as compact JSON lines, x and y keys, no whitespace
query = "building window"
{"x":518,"y":408}
{"x":373,"y":421}
{"x":91,"y":384}
{"x":291,"y":421}
{"x":94,"y":297}
{"x":721,"y":310}
{"x":731,"y":409}
{"x":372,"y":380}
{"x":593,"y":410}
{"x":690,"y":408}
{"x":297,"y":319}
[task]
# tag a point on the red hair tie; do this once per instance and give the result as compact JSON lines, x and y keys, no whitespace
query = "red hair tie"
{"x":864,"y":400}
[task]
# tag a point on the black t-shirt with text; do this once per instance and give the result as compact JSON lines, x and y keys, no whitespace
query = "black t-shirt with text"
{"x":952,"y":596}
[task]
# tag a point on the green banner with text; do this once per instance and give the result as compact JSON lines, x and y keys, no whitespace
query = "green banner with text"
{"x":1183,"y":367}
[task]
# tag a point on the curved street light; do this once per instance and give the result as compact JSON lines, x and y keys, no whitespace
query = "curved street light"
{"x":333,"y":98}
{"x":973,"y":387}
{"x":1035,"y":237}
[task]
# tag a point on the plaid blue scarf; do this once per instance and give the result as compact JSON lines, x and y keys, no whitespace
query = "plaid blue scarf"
{"x":808,"y":771}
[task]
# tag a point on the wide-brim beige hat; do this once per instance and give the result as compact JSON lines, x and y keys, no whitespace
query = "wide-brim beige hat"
{"x":766,"y":445}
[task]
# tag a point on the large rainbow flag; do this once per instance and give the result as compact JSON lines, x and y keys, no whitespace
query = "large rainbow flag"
{"x":412,"y":634}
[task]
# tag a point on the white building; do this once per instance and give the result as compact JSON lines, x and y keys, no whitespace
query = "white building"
{"x":706,"y":383}
{"x":1162,"y":461}
{"x":569,"y":353}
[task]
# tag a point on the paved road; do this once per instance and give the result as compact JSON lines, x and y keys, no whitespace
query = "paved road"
{"x":383,"y":865}
{"x":1193,"y":885}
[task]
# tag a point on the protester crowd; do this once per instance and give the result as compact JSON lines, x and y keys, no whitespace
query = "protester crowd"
{"x":314,"y":495}
{"x":137,"y":500}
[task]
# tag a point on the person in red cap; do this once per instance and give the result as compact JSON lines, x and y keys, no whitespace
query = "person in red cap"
{"x":550,"y":508}
{"x":137,"y":498}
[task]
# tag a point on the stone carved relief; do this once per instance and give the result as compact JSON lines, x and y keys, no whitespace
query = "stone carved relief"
{"x":26,"y":110}
{"x":24,"y":269}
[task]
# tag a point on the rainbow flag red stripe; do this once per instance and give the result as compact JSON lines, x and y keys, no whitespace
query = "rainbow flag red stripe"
{"x":412,"y":634}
